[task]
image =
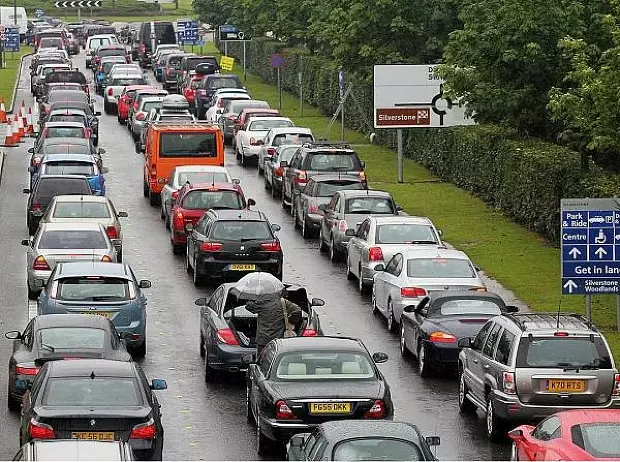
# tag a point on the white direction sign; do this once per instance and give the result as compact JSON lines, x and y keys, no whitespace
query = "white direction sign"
{"x":411,"y":96}
{"x":78,"y":4}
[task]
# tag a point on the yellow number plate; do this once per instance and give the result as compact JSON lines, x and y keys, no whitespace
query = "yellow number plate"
{"x":98,"y":313}
{"x":566,"y":386}
{"x":242,"y":267}
{"x":330,"y":408}
{"x":94,"y":436}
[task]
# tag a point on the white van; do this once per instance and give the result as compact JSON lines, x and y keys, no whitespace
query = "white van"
{"x":7,"y":18}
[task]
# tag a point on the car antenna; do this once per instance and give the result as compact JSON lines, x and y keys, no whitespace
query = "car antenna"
{"x":92,"y":375}
{"x":558,"y":316}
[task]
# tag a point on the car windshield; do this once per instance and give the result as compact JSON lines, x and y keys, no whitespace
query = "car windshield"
{"x":69,"y":338}
{"x":202,"y":177}
{"x":81,"y":209}
{"x":188,"y":145}
{"x":325,"y":366}
{"x":68,"y":118}
{"x":87,"y":391}
{"x":563,"y":351}
{"x":94,"y":288}
{"x":241,"y":230}
{"x":328,"y":188}
{"x":68,"y":95}
{"x":72,"y":239}
{"x":600,"y":440}
{"x":128,"y":81}
{"x":265,"y":125}
{"x":224,"y":82}
{"x":370,"y":205}
{"x":468,"y":307}
{"x":69,"y":168}
{"x":111,"y":52}
{"x":96,"y":43}
{"x":49,"y":70}
{"x":148,"y":105}
{"x":292,"y":138}
{"x":108,"y":65}
{"x":204,"y":200}
{"x":376,"y":448}
{"x":439,"y":268}
{"x":193,"y":62}
{"x":405,"y":233}
{"x":334,"y":162}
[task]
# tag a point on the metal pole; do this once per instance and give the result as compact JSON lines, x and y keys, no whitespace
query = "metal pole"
{"x":279,"y":91}
{"x":79,"y":14}
{"x":399,"y":138}
{"x":245,"y":78}
{"x":301,"y":84}
{"x":15,"y":12}
{"x":589,"y":307}
{"x":618,"y":312}
{"x":342,"y":122}
{"x":225,"y":47}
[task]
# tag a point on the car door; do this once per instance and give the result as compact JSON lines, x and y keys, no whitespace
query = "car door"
{"x":383,"y":281}
{"x":150,"y":396}
{"x":260,"y":397}
{"x":195,"y":238}
{"x":358,"y":246}
{"x":473,"y":370}
{"x":22,"y":350}
{"x":542,"y":440}
{"x":490,"y":368}
{"x":289,"y":172}
{"x":326,"y":222}
{"x":414,"y":322}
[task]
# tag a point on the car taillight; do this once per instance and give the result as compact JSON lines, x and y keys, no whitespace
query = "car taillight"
{"x":179,"y":221}
{"x":309,"y":333}
{"x":40,"y":264}
{"x":201,"y":92}
{"x":412,"y":292}
{"x":36,"y":160}
{"x":106,"y":259}
{"x":220,"y":103}
{"x":232,"y":118}
{"x":342,"y":225}
{"x":616,"y":390}
{"x":560,"y":334}
{"x":111,"y":232}
{"x":211,"y":246}
{"x":377,"y":411}
{"x":509,"y":383}
{"x":145,"y":431}
{"x":302,"y":177}
{"x":313,"y":209}
{"x":36,"y":207}
{"x":363,"y":176}
{"x":270,"y":246}
{"x":226,"y":336}
{"x":26,"y":369}
{"x":278,"y":171}
{"x":110,"y":92}
{"x":441,"y":337}
{"x":40,"y":431}
{"x":283,"y":412}
{"x":87,"y":133}
{"x":140,"y":116}
{"x":375,"y":254}
{"x":271,"y":151}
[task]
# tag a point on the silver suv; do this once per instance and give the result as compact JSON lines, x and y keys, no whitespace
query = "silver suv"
{"x":524,"y":367}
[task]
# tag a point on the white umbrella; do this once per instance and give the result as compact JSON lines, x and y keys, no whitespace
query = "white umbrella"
{"x":257,"y":285}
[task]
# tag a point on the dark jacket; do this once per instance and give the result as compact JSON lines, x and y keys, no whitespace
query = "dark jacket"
{"x":270,"y":323}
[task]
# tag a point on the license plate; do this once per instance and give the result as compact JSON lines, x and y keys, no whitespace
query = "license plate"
{"x":566,"y":386}
{"x":242,"y":267}
{"x":330,"y":408}
{"x":97,"y":313}
{"x":93,"y":436}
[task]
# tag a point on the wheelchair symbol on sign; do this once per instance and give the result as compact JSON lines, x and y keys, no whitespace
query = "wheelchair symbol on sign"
{"x":601,"y":238}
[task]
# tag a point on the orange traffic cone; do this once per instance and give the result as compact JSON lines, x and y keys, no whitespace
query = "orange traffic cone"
{"x":22,"y":111}
{"x":8,"y":139}
{"x":22,"y":130}
{"x":3,"y":118}
{"x":15,"y":125}
{"x":29,"y":125}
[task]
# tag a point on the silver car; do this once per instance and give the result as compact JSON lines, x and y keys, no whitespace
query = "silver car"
{"x":88,"y":209}
{"x":138,"y":117}
{"x":60,"y":242}
{"x":412,"y":274}
{"x":278,"y":136}
{"x":378,"y":238}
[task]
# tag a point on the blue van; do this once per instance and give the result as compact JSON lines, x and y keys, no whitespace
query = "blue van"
{"x":72,"y":164}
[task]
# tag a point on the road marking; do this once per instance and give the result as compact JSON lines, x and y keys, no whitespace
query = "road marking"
{"x":32,"y":309}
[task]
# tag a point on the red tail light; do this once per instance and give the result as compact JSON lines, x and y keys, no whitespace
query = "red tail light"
{"x":87,"y":133}
{"x":40,"y":431}
{"x":302,"y":177}
{"x":271,"y":246}
{"x":226,"y":336}
{"x":232,"y":118}
{"x":377,"y":411}
{"x":509,"y":383}
{"x":412,"y":292}
{"x":145,"y":431}
{"x":278,"y":171}
{"x":313,"y":209}
{"x":283,"y":412}
{"x":375,"y":254}
{"x":106,"y":259}
{"x":442,"y":337}
{"x":37,"y":207}
{"x":343,"y":226}
{"x":616,"y":390}
{"x":179,"y":221}
{"x":211,"y":246}
{"x":140,"y":116}
{"x":111,"y":232}
{"x":40,"y":264}
{"x":309,"y":333}
{"x":271,"y":151}
{"x":220,"y":103}
{"x":110,"y":92}
{"x":26,"y":369}
{"x":560,"y":334}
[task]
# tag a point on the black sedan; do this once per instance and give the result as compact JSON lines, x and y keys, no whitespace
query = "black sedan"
{"x":362,"y":440}
{"x":95,"y":399}
{"x":228,"y":330}
{"x":52,"y":337}
{"x":301,"y":382}
{"x":431,"y":330}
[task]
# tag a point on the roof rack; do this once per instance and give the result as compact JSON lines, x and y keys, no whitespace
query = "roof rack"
{"x":525,"y":320}
{"x":185,"y":122}
{"x":325,"y":143}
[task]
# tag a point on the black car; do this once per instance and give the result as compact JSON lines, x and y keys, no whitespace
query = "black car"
{"x":362,"y":440}
{"x":207,"y":86}
{"x":232,"y":243}
{"x":67,"y":76}
{"x":64,"y":146}
{"x":58,"y":336}
{"x":44,"y":191}
{"x":301,"y":382}
{"x":150,"y":36}
{"x":95,"y":399}
{"x":228,"y":330}
{"x":432,"y":329}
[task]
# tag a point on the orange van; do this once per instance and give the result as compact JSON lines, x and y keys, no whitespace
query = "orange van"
{"x":170,"y":144}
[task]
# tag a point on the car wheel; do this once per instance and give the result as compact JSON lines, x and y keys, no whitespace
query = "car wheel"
{"x":391,"y":320}
{"x":404,"y":351}
{"x":334,"y":254}
{"x":262,"y":443}
{"x":465,"y":405}
{"x":209,"y":373}
{"x":295,"y":217}
{"x":242,"y":158}
{"x":145,"y":189}
{"x":32,"y":295}
{"x":167,"y":222}
{"x":361,"y":285}
{"x":495,"y":425}
{"x":283,"y":200}
{"x":237,"y":154}
{"x":153,"y":198}
{"x":13,"y":404}
{"x":266,"y":183}
{"x":106,"y":107}
{"x":188,"y":266}
{"x":202,"y":346}
{"x":322,"y":246}
{"x":274,"y":193}
{"x":162,"y":214}
{"x":177,"y":249}
{"x":423,"y":365}
{"x":139,"y":351}
{"x":197,"y":278}
{"x":350,"y":275}
{"x":373,"y":302}
{"x":305,"y":229}
{"x":249,"y":414}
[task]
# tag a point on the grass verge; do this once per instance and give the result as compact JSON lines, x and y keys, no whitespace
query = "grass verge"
{"x":9,"y":73}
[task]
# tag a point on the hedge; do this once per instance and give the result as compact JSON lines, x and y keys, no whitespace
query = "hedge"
{"x":525,"y":179}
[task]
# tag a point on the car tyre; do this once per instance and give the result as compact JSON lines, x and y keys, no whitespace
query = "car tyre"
{"x":145,"y":189}
{"x":465,"y":405}
{"x":262,"y":442}
{"x":119,"y":255}
{"x":249,"y":414}
{"x":514,"y":453}
{"x":361,"y":285}
{"x":177,"y":249}
{"x":424,"y":368}
{"x":334,"y":254}
{"x":32,"y":295}
{"x":197,"y":277}
{"x":494,"y":425}
{"x":266,"y":183}
{"x":203,"y":351}
{"x":274,"y":193}
{"x":107,"y":107}
{"x":295,"y":217}
{"x":153,"y":198}
{"x":209,"y":372}
{"x":350,"y":275}
{"x":138,"y":352}
{"x":404,"y":351}
{"x":373,"y":302}
{"x":392,"y":325}
{"x":188,"y":266}
{"x":305,"y":229}
{"x":322,"y":246}
{"x":283,"y":200}
{"x":13,"y":404}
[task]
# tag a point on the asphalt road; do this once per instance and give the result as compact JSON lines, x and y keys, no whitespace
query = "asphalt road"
{"x":207,"y":421}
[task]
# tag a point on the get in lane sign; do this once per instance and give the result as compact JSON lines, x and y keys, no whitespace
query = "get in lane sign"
{"x":590,"y":246}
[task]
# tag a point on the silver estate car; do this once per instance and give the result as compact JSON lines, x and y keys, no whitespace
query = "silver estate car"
{"x":412,"y":274}
{"x":60,"y":242}
{"x":88,"y":209}
{"x":378,"y":238}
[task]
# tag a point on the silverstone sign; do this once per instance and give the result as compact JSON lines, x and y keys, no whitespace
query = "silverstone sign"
{"x":411,"y":96}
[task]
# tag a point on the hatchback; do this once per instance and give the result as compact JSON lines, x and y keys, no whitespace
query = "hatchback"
{"x":74,"y":164}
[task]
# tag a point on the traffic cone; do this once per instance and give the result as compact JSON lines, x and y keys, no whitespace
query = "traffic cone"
{"x":29,"y":125}
{"x":15,"y":128}
{"x":3,"y":118}
{"x":8,"y":139}
{"x":22,"y":130}
{"x":22,"y":111}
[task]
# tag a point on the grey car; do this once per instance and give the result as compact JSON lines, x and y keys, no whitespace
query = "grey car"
{"x":229,"y":115}
{"x":524,"y":367}
{"x":378,"y":238}
{"x":88,"y":209}
{"x":60,"y":242}
{"x":345,"y":210}
{"x":274,"y":169}
{"x":137,"y":118}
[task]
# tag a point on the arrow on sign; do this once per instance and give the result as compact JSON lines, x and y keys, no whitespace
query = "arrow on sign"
{"x":600,"y":252}
{"x":570,"y":285}
{"x":78,"y":4}
{"x":574,"y":252}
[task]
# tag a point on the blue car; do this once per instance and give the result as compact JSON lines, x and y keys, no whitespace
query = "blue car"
{"x":100,"y":288}
{"x":72,"y":164}
{"x":101,"y":73}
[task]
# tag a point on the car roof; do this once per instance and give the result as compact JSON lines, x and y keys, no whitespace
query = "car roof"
{"x":59,"y":157}
{"x":67,"y":111}
{"x":112,"y":59}
{"x":245,"y":214}
{"x":173,"y":126}
{"x":73,"y":226}
{"x":269,"y":118}
{"x":435,"y":253}
{"x":552,"y":322}
{"x":74,"y":450}
{"x":66,"y":140}
{"x":297,"y":344}
{"x":64,"y":124}
{"x":350,"y":193}
{"x":292,"y":130}
{"x":200,"y":168}
{"x":93,"y":268}
{"x":86,"y":367}
{"x":152,"y":98}
{"x":387,"y":219}
{"x":99,"y":36}
{"x":80,"y":197}
{"x":71,"y":320}
{"x":339,"y":430}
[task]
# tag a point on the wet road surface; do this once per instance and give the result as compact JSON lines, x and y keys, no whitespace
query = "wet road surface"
{"x":207,"y":421}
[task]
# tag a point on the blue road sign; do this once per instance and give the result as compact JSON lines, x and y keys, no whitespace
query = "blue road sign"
{"x":39,"y":12}
{"x":11,"y":39}
{"x":187,"y":31}
{"x":590,"y":246}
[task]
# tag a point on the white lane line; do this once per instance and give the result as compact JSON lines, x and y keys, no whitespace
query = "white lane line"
{"x":32,"y":309}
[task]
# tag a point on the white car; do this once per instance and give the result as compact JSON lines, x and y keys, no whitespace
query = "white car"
{"x":140,"y":114}
{"x":251,"y":136}
{"x":194,"y":174}
{"x":116,"y":84}
{"x":95,"y":42}
{"x":278,"y":136}
{"x":219,"y":101}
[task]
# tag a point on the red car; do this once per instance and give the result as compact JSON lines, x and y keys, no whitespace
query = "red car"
{"x":192,"y":201}
{"x":126,"y":99}
{"x":588,"y":434}
{"x":190,"y":84}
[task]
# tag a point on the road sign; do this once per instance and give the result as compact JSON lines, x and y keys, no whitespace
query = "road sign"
{"x":277,"y":61}
{"x":187,"y":31}
{"x":11,"y":39}
{"x":341,"y":83}
{"x":410,"y":96}
{"x":590,"y":246}
{"x":78,"y":4}
{"x":227,"y":63}
{"x":39,"y":12}
{"x":230,"y":32}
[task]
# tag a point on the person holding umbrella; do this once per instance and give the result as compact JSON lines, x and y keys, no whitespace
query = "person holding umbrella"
{"x":264,"y":296}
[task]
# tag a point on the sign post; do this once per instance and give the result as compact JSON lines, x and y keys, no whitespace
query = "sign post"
{"x":278,"y":61}
{"x":11,"y":39}
{"x":341,"y":90}
{"x":2,"y":38}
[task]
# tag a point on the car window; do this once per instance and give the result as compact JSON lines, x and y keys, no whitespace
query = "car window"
{"x":503,"y":347}
{"x":329,"y":161}
{"x":338,"y":203}
{"x":64,"y":132}
{"x":548,"y":429}
{"x":311,"y":441}
{"x":148,"y":105}
{"x":292,"y":138}
{"x":205,"y":200}
{"x":81,"y":209}
{"x":362,"y":232}
{"x":405,"y":233}
{"x":328,"y":188}
{"x":266,"y":359}
{"x":318,"y":449}
{"x":440,"y":268}
{"x":235,"y":230}
{"x":67,"y":338}
{"x":559,"y":351}
{"x":224,"y":82}
{"x":481,"y":337}
{"x":468,"y":307}
{"x":28,"y":334}
{"x":188,"y":145}
{"x":328,"y":365}
{"x":370,"y":205}
{"x":72,"y":239}
{"x":398,"y":260}
{"x":376,"y":448}
{"x":48,"y":188}
{"x":127,"y":81}
{"x":69,"y":168}
{"x":203,"y":177}
{"x":95,"y":288}
{"x":600,"y":440}
{"x":264,"y":125}
{"x":391,"y":266}
{"x":87,"y":391}
{"x":489,"y":345}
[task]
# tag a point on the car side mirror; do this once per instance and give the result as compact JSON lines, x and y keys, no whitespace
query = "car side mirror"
{"x":516,"y":434}
{"x":440,"y":232}
{"x":465,"y":342}
{"x":158,"y":384}
{"x":98,"y":113}
{"x":283,"y":163}
{"x":409,"y":309}
{"x":433,"y":440}
{"x":101,"y":151}
{"x":379,"y":267}
{"x":122,"y":214}
{"x":275,"y":228}
{"x":105,"y":170}
{"x":363,"y":164}
{"x":349,"y":232}
{"x":189,"y":227}
{"x":297,"y":441}
{"x":145,"y":284}
{"x":379,"y":357}
{"x":399,"y":208}
{"x":31,"y":150}
{"x":512,"y":309}
{"x":26,"y":242}
{"x":317,"y":302}
{"x":200,"y":301}
{"x":323,"y":207}
{"x":13,"y":335}
{"x":140,"y":148}
{"x":236,"y":181}
{"x":39,"y":99}
{"x":251,"y":202}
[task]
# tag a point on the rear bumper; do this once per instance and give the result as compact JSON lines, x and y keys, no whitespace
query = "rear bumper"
{"x":38,"y":279}
{"x":219,"y":268}
{"x":282,"y":432}
{"x":253,"y":152}
{"x":229,"y":358}
{"x":442,"y":355}
{"x":178,"y":237}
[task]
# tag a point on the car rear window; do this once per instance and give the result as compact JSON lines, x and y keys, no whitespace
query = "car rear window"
{"x":557,"y":352}
{"x":69,"y":168}
{"x":50,"y":187}
{"x":69,"y":239}
{"x":99,"y":42}
{"x":195,"y":83}
{"x":600,"y":440}
{"x":69,"y":338}
{"x":125,"y":82}
{"x":111,"y":52}
{"x":193,"y":62}
{"x":81,"y":209}
{"x":376,"y":448}
{"x":148,"y":105}
{"x":224,"y":82}
{"x":67,"y":118}
{"x":233,"y":230}
{"x":329,"y":161}
{"x":236,"y":107}
{"x":48,"y":70}
{"x":468,"y":307}
{"x":94,"y":289}
{"x":66,"y":77}
{"x":202,"y":177}
{"x":328,"y":188}
{"x":292,"y":138}
{"x":439,"y":268}
{"x":369,"y":205}
{"x":87,"y":391}
{"x":324,"y":366}
{"x":107,"y":66}
{"x":188,"y":145}
{"x":174,"y":61}
{"x":405,"y":233}
{"x":49,"y":42}
{"x":204,"y":200}
{"x":265,"y":125}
